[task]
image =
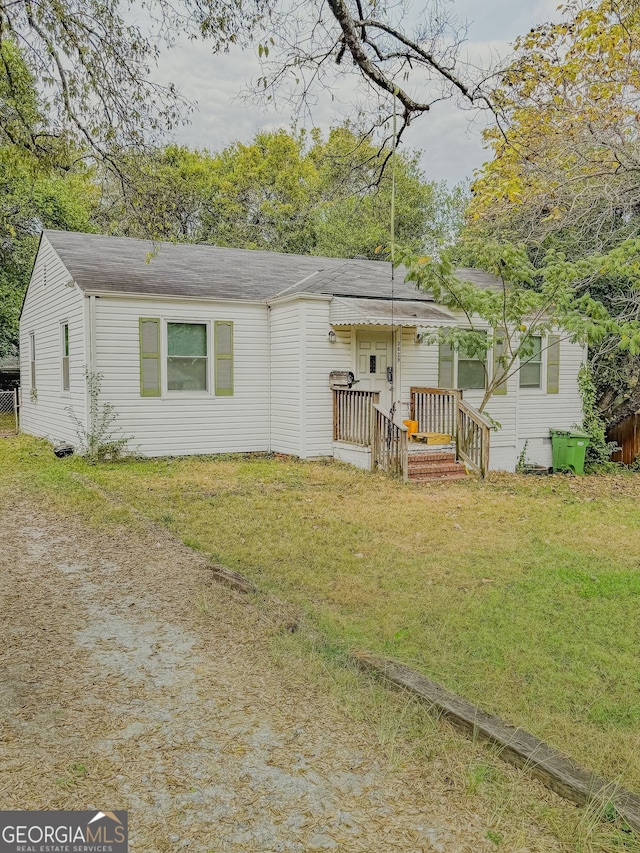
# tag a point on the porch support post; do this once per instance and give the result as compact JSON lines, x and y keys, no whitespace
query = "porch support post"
{"x":397,"y":368}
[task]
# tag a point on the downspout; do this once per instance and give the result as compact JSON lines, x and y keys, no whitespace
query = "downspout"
{"x":91,"y":366}
{"x":302,"y":391}
{"x":269,"y":378}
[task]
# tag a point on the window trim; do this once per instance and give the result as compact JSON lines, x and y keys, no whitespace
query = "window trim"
{"x":65,"y":348}
{"x":542,"y":363}
{"x":454,"y":362}
{"x":176,"y":392}
{"x":32,"y":360}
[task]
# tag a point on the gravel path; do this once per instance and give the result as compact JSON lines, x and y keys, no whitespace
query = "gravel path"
{"x":132,"y":681}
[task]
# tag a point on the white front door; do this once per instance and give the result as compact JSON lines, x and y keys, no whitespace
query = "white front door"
{"x":374,"y":354}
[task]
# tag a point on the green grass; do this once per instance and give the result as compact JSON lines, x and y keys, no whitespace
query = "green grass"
{"x":521,"y":594}
{"x":7,"y":422}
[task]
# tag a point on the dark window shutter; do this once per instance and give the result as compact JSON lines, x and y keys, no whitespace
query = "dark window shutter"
{"x":224,"y":358}
{"x":499,"y":352}
{"x":445,"y":366}
{"x":149,"y":357}
{"x":553,"y":364}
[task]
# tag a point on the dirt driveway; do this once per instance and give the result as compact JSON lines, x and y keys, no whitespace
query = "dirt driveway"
{"x":131,"y":681}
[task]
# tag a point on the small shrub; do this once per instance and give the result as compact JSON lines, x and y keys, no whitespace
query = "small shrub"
{"x":522,"y":463}
{"x":598,"y":453}
{"x":99,"y":441}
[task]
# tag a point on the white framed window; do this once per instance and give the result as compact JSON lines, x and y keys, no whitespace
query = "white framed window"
{"x":32,"y":358}
{"x":459,"y":368}
{"x":198,"y":357}
{"x":64,"y":349}
{"x":187,"y":356}
{"x":531,"y":364}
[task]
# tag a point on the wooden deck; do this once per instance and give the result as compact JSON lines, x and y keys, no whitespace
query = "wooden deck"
{"x":359,"y":419}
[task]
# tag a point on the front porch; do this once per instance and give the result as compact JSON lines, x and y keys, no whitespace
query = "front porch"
{"x":369,"y":436}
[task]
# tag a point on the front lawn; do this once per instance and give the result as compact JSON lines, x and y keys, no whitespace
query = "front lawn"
{"x":519,"y":593}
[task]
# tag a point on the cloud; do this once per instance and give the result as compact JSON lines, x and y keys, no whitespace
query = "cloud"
{"x":449,"y":138}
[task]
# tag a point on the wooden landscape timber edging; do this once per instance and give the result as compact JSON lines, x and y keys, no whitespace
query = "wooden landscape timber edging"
{"x":517,"y":747}
{"x":232,"y":579}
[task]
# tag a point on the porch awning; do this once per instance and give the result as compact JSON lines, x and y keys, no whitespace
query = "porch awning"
{"x":344,"y":311}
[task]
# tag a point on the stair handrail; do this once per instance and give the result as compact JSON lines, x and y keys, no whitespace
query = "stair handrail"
{"x":396,"y":443}
{"x":476,"y":414}
{"x":473,"y":439}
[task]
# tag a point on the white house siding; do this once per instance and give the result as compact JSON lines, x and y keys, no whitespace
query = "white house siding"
{"x":523,"y":414}
{"x":302,"y":358}
{"x":538,"y":412}
{"x":52,"y":298}
{"x":321,"y":357}
{"x":180,"y":423}
{"x":286,"y":378}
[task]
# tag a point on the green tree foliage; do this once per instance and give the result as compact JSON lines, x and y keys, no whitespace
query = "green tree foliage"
{"x":35,"y":192}
{"x":283,"y":192}
{"x":564,"y":175}
{"x":566,"y":147}
{"x":530,"y":301}
{"x":97,"y":64}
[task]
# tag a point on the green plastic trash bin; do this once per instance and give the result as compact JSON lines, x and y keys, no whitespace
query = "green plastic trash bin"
{"x":568,"y":448}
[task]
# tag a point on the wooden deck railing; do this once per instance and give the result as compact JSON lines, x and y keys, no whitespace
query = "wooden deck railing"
{"x":443,"y":410}
{"x":389,"y":448}
{"x":473,"y":438}
{"x":435,"y":409}
{"x":359,"y":419}
{"x":353,"y":415}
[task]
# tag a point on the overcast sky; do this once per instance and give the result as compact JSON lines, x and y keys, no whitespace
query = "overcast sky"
{"x":448,"y":138}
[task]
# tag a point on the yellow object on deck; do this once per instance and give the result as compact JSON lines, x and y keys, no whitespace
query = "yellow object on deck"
{"x":432,"y":437}
{"x":412,"y":427}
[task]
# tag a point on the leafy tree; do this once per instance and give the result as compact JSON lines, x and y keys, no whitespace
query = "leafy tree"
{"x":566,"y":146}
{"x":353,"y":213}
{"x":282,"y":192}
{"x":530,"y":301}
{"x":34,"y":193}
{"x":564,"y":175}
{"x":97,"y":64}
{"x":265,"y":195}
{"x":32,"y":198}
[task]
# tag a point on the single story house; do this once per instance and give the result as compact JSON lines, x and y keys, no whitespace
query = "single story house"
{"x":206,"y":350}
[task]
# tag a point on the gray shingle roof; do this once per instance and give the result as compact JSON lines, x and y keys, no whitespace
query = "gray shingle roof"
{"x":125,"y":265}
{"x":121,"y":264}
{"x":479,"y":277}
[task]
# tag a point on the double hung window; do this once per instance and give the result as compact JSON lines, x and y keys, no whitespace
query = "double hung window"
{"x":187,"y":357}
{"x":460,"y":368}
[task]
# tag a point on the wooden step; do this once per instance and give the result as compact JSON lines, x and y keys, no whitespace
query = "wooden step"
{"x":435,"y":468}
{"x":420,"y":458}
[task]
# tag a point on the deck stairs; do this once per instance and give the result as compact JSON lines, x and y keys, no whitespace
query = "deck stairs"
{"x":433,"y":463}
